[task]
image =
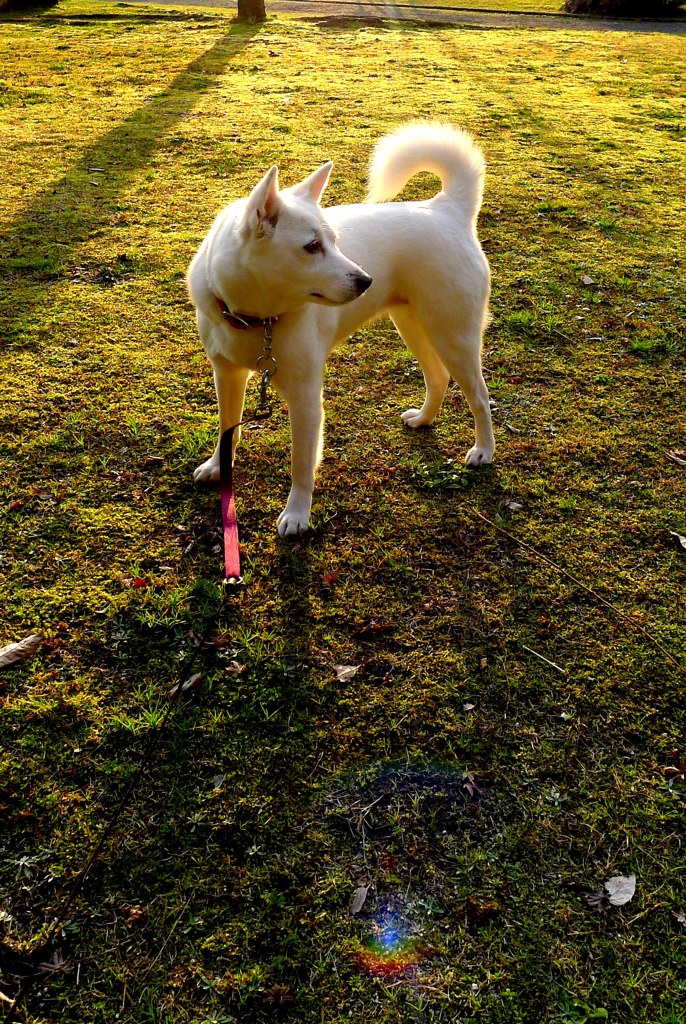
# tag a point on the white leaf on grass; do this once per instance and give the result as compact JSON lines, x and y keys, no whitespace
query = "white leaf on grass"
{"x":679,"y":536}
{"x":20,"y":650}
{"x":620,"y":889}
{"x":587,"y":280}
{"x":359,"y":898}
{"x":346,"y":672}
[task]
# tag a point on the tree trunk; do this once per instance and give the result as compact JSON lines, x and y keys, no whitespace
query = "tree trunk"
{"x":251,"y":10}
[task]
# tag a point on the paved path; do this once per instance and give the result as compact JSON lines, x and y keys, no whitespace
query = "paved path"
{"x":444,"y":16}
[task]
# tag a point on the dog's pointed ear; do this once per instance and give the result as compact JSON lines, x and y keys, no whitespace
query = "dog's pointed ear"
{"x":313,"y":186}
{"x":262,"y":208}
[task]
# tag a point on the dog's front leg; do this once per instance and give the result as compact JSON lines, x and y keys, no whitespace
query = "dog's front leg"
{"x":230,"y":382}
{"x":306,"y":415}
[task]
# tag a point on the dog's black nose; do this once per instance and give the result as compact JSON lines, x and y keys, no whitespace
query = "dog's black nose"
{"x":362,"y":282}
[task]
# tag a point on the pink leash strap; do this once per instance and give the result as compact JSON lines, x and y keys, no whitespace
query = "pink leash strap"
{"x":232,"y":554}
{"x":266,"y":367}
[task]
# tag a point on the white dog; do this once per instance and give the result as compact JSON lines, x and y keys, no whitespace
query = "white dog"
{"x":322,"y":275}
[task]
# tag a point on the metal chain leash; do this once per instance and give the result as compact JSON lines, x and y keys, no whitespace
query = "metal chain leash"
{"x":266,"y":367}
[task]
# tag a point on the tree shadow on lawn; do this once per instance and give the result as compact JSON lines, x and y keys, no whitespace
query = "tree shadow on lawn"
{"x":227,"y":826}
{"x":222,"y":816}
{"x":93,"y":17}
{"x":65,"y":215}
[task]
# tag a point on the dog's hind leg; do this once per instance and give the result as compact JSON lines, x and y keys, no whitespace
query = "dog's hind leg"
{"x":436,"y":376}
{"x":230,"y":382}
{"x":462,"y":356}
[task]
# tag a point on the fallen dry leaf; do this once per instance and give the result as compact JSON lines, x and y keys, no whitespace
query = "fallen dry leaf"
{"x":278,"y":995}
{"x":359,"y":899}
{"x":346,"y":672}
{"x":20,"y":650}
{"x":235,"y":669}
{"x":56,"y":965}
{"x":134,"y":915}
{"x":191,"y":684}
{"x":220,"y":639}
{"x":598,"y":899}
{"x":478,"y":912}
{"x":676,"y":770}
{"x":679,"y":457}
{"x":620,"y":889}
{"x":371,"y":628}
{"x":679,"y":537}
{"x":679,"y":916}
{"x":472,"y":787}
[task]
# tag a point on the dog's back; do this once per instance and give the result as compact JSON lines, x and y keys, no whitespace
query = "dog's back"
{"x":448,"y":152}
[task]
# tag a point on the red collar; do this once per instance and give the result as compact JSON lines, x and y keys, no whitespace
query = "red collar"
{"x":241,"y":321}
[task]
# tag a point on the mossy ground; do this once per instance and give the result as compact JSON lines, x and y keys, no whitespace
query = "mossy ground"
{"x":479,"y":792}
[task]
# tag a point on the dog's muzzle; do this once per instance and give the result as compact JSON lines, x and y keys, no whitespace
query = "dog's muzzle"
{"x":361,"y":282}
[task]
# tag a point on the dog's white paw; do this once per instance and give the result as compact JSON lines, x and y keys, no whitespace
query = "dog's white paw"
{"x":291,"y":523}
{"x":477,"y":456}
{"x":207,"y":472}
{"x":415,"y":418}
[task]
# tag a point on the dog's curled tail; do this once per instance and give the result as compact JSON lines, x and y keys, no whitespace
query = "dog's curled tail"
{"x":449,"y":152}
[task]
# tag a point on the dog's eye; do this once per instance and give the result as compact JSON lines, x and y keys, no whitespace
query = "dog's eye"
{"x":314,"y":246}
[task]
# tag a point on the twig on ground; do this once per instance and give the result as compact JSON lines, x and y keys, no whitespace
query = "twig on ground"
{"x":168,"y":936}
{"x":537,"y":655}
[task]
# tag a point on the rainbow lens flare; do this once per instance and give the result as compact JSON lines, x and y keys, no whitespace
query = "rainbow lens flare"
{"x":401,"y":820}
{"x":389,"y":951}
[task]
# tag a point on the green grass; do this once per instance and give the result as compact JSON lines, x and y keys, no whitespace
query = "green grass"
{"x":549,"y":6}
{"x":517,"y":6}
{"x":478,"y":791}
{"x":546,"y":6}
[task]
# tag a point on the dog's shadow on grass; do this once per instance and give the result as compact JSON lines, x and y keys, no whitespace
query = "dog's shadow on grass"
{"x":432,"y":472}
{"x":293,"y":563}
